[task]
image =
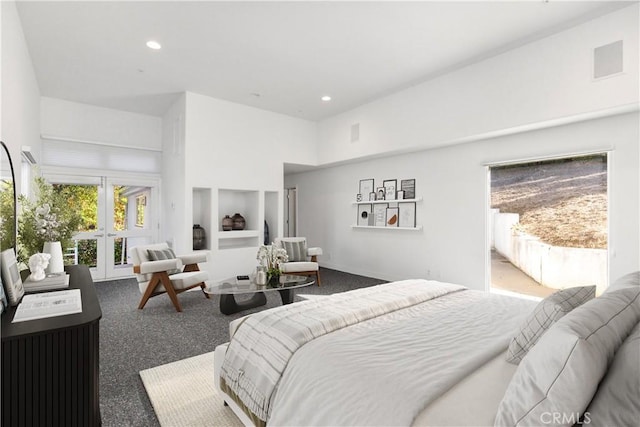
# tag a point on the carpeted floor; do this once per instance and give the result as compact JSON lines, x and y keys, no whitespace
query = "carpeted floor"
{"x":132,"y":340}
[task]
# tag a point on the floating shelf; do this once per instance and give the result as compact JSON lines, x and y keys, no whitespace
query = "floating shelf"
{"x":373,"y":202}
{"x":388,"y":228}
{"x":238,"y":234}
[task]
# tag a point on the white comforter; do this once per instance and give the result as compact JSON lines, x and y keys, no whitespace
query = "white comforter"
{"x":384,"y":371}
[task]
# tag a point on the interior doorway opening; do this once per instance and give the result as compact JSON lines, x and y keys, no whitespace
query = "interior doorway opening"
{"x":549,"y":225}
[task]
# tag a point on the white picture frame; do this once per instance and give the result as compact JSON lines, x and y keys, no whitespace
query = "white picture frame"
{"x":379,"y":214}
{"x":365,"y":216}
{"x":390,"y":186}
{"x":407,"y":215}
{"x":11,"y":277}
{"x":391,"y":218}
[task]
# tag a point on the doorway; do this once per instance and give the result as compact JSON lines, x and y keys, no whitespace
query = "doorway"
{"x":117,"y":214}
{"x":549,"y":225}
{"x":290,"y":212}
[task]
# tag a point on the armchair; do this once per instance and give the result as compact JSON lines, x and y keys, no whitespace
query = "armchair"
{"x":302,"y":260}
{"x":160,"y":271}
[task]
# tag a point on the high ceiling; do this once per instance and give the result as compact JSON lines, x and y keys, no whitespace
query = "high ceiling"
{"x":278,"y":56}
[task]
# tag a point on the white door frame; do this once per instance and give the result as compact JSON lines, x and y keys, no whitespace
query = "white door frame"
{"x":104,"y":235}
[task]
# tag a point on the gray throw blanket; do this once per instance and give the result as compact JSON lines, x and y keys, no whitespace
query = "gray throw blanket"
{"x":262,"y":346}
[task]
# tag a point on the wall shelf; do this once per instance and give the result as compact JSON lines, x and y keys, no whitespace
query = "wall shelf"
{"x":238,"y":234}
{"x":374,"y":202}
{"x":418,"y":228}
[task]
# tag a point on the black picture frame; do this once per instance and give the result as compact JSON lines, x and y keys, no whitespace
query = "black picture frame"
{"x":409,"y":188}
{"x":391,"y":217}
{"x":407,"y":215}
{"x":366,"y":187}
{"x":380,"y":193}
{"x":390,"y":188}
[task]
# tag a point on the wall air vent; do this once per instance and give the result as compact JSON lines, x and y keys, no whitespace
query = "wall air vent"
{"x":607,"y":60}
{"x":355,"y":132}
{"x":27,"y":155}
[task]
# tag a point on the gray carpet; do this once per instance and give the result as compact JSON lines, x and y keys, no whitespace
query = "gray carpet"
{"x":132,"y":340}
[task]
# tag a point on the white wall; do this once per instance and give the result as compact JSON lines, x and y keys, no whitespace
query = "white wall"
{"x":231,"y":146}
{"x":546,"y":80}
{"x":453,"y":183}
{"x":173,"y":199}
{"x":74,"y":121}
{"x":20,"y":93}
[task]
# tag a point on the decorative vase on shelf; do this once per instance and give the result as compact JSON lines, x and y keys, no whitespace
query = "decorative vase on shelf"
{"x":227,"y":223}
{"x":199,"y":237}
{"x":56,"y":262}
{"x":238,"y":222}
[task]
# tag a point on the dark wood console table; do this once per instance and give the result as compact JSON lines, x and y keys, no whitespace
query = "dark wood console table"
{"x":50,"y":367}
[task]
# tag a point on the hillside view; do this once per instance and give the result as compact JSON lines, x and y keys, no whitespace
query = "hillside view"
{"x":564,"y":202}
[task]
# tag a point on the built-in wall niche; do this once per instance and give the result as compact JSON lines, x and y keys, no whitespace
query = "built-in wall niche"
{"x":201,"y":215}
{"x":271,"y":208}
{"x":246,"y":203}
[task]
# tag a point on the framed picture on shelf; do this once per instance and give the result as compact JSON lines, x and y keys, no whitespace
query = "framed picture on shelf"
{"x":390,"y":188}
{"x":391,"y":219}
{"x":11,"y":276}
{"x":409,"y":188}
{"x":407,"y":215}
{"x":380,"y":193}
{"x":365,"y":216}
{"x":366,"y":187}
{"x":379,"y":214}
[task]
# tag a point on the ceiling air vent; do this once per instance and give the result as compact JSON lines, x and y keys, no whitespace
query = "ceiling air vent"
{"x":607,"y":60}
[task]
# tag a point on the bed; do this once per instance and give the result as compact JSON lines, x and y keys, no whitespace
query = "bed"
{"x":420,"y":352}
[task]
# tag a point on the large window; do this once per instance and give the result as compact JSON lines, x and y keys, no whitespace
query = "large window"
{"x":549,"y":225}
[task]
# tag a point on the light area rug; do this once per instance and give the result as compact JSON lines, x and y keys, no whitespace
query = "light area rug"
{"x":183,"y":393}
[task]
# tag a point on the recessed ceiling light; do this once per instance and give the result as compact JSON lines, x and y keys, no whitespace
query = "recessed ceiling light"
{"x":326,"y":98}
{"x":152,"y":44}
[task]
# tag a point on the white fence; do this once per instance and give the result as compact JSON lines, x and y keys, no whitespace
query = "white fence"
{"x":553,"y":266}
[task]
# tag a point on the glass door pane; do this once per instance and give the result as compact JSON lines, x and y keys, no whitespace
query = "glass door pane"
{"x":88,"y":242}
{"x":130,"y":222}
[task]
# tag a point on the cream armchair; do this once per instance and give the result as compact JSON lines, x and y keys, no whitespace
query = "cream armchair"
{"x":302,"y":260}
{"x":160,"y":271}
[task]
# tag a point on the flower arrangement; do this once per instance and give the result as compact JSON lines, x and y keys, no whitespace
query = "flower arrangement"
{"x":48,"y":217}
{"x":271,"y":257}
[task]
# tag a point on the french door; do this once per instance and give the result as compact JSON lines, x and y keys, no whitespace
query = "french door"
{"x":117,"y":214}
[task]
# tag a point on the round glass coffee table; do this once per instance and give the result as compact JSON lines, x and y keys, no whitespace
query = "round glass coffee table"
{"x":227,"y":289}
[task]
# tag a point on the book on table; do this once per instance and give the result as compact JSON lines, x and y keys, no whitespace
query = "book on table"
{"x":51,"y":282}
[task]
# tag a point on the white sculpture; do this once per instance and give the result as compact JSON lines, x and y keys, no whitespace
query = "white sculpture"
{"x":37,"y":263}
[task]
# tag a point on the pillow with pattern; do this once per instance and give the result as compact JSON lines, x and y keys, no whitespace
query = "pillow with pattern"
{"x":162,"y":254}
{"x":546,"y":313}
{"x":296,"y":251}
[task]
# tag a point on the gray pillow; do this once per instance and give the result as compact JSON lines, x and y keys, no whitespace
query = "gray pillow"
{"x":296,"y":251}
{"x":626,"y":281}
{"x":162,"y":254}
{"x":546,"y":313}
{"x":617,"y":401}
{"x":561,"y":373}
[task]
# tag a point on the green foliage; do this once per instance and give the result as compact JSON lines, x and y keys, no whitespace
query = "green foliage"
{"x":7,"y":216}
{"x":51,"y":216}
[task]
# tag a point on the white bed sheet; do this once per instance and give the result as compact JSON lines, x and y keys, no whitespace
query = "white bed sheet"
{"x":474,"y":400}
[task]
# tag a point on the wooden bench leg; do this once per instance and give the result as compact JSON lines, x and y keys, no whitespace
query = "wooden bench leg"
{"x":151,"y":287}
{"x":168,"y":286}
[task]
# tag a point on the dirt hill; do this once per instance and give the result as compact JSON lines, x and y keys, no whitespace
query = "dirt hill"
{"x":563,"y":202}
